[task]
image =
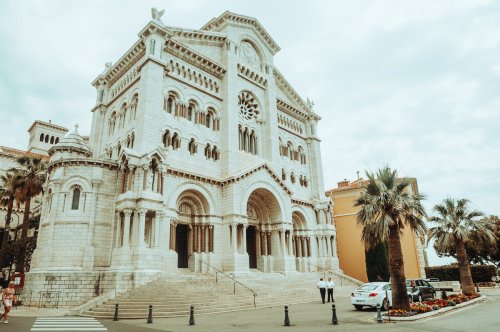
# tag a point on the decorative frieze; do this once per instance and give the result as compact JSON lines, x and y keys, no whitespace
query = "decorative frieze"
{"x":196,"y":59}
{"x":252,"y":76}
{"x":194,"y":78}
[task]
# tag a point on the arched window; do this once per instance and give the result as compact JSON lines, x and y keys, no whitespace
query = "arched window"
{"x":46,"y":138}
{"x":170,"y":104}
{"x":124,"y":114}
{"x":192,"y":146}
{"x":208,"y":119}
{"x":215,"y":153}
{"x":208,"y":151}
{"x":167,"y":140}
{"x":75,"y":200}
{"x":41,"y":137}
{"x":283,"y":174}
{"x":51,"y":139}
{"x":133,"y":106}
{"x":57,"y":140}
{"x":292,"y":177}
{"x":132,"y":140}
{"x":176,"y":141}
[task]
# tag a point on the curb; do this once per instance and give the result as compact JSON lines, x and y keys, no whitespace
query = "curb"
{"x":434,"y":312}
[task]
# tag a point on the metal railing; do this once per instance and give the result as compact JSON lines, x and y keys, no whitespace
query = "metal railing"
{"x":217,"y":271}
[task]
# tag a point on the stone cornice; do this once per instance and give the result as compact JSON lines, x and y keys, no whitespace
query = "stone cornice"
{"x":290,"y":110}
{"x":198,"y":35}
{"x":228,"y":17}
{"x":187,"y":54}
{"x":303,"y":203}
{"x":130,"y":57}
{"x":283,"y":83}
{"x":231,"y":179}
{"x":80,"y":161}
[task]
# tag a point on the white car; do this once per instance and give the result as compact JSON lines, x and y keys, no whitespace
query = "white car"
{"x":371,"y":294}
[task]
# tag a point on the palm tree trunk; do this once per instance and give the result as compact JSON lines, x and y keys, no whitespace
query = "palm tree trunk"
{"x":6,"y":232}
{"x":26,"y":217}
{"x":464,"y":269}
{"x":396,"y":270}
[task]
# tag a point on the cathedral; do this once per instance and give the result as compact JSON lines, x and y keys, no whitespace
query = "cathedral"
{"x":201,"y":156}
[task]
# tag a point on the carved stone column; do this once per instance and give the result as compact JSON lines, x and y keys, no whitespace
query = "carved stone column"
{"x":126,"y":228}
{"x":142,"y":223}
{"x":244,"y":244}
{"x":118,"y":238}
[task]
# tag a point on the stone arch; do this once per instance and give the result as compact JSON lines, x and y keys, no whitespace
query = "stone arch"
{"x":202,"y":193}
{"x":256,"y":46}
{"x":76,"y":181}
{"x":270,"y":191}
{"x":299,"y":221}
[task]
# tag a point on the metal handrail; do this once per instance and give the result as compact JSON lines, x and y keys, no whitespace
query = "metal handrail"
{"x":324,"y":270}
{"x":254,"y":293}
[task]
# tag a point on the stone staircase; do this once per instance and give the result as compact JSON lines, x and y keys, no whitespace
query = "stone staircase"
{"x":172,"y":296}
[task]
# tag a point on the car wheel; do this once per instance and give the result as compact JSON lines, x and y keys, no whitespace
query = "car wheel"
{"x":385,"y":305}
{"x":420,"y":299}
{"x":358,"y":307}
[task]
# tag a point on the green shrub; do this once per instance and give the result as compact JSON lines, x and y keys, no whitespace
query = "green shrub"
{"x":480,"y":273}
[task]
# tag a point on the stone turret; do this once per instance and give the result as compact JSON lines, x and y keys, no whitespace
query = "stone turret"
{"x":71,"y":146}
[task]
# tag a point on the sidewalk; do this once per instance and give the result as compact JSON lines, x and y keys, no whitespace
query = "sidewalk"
{"x":23,"y":311}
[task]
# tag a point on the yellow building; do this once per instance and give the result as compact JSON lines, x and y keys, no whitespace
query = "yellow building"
{"x":351,"y":251}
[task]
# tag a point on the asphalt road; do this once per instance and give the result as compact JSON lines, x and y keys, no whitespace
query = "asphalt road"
{"x":482,"y":317}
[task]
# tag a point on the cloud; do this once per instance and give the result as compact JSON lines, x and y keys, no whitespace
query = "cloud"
{"x":413,"y":84}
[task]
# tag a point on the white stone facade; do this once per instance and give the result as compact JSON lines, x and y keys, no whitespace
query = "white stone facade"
{"x":199,"y":151}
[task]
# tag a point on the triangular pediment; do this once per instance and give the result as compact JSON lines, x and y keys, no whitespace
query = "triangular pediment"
{"x":261,"y":168}
{"x":218,"y":23}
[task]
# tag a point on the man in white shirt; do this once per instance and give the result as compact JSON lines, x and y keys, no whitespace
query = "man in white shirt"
{"x":322,"y":289}
{"x":329,"y":286}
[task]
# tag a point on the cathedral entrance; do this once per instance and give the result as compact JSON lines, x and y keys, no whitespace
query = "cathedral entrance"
{"x":181,"y":245}
{"x":252,"y":246}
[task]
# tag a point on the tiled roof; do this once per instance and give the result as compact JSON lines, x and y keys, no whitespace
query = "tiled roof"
{"x":20,"y":153}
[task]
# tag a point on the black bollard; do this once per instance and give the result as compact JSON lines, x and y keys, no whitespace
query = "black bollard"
{"x":191,"y":315}
{"x":335,"y":321}
{"x":477,"y":288}
{"x":379,"y":314}
{"x":115,"y":318}
{"x":150,"y":315}
{"x":287,"y":319}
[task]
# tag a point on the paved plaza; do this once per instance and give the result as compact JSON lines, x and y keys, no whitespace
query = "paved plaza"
{"x":304,"y":317}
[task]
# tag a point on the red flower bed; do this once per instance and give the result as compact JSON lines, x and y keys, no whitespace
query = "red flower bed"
{"x":429,"y":305}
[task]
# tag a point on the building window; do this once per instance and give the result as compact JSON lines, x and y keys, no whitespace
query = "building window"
{"x":176,"y":141}
{"x":192,"y":146}
{"x":75,"y":201}
{"x":51,"y":139}
{"x":41,"y":137}
{"x":215,"y":153}
{"x":292,"y":177}
{"x":57,"y":140}
{"x":283,"y":174}
{"x":46,"y":138}
{"x":208,"y":151}
{"x":247,"y":140}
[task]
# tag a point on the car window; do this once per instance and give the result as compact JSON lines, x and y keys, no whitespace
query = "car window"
{"x":419,"y":283}
{"x":387,"y":287}
{"x":368,"y":287}
{"x":426,"y":283}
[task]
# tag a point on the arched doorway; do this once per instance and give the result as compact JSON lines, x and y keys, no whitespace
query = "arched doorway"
{"x":194,"y":233}
{"x":262,"y":241}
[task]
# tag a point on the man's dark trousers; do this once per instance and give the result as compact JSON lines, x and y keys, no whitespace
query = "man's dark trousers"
{"x":330,"y":294}
{"x":322,"y":291}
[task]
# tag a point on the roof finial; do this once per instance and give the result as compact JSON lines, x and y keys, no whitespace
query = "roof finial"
{"x":76,"y":128}
{"x":357,"y":172}
{"x":310,"y":103}
{"x":156,"y":15}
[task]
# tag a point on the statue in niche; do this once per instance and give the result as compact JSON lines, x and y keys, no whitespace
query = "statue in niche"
{"x":156,"y":15}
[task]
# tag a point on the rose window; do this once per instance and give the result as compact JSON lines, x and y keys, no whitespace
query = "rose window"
{"x":248,"y":106}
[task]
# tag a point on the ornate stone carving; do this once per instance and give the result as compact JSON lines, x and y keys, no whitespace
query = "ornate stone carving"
{"x":156,"y":15}
{"x":249,"y":54}
{"x":249,"y":109}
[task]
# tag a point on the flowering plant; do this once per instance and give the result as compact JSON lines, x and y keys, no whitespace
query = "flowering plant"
{"x":400,"y":313}
{"x":420,"y":307}
{"x":437,"y":302}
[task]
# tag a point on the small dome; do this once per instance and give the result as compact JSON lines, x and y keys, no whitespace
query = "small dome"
{"x":72,"y":142}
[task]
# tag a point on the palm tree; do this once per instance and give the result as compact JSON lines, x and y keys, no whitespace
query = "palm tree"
{"x":31,"y":177}
{"x":7,"y":197}
{"x":386,"y":207}
{"x":456,"y":225}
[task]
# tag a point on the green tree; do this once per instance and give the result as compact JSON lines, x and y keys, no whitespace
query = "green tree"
{"x":386,"y":207}
{"x":479,"y":252}
{"x":31,"y":177}
{"x":377,"y":263}
{"x":457,"y":225}
{"x":7,"y":198}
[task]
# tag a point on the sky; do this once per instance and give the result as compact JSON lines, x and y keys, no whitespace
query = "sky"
{"x":413,"y":84}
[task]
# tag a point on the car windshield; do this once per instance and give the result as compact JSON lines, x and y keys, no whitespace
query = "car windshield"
{"x":368,"y":287}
